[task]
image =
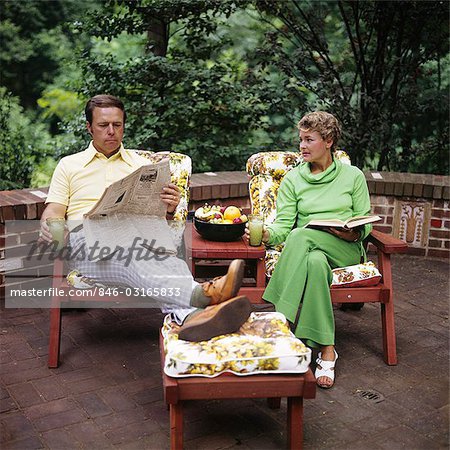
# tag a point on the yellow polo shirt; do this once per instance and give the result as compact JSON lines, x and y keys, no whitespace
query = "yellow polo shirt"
{"x":79,"y":180}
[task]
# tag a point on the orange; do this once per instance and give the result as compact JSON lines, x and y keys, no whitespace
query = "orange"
{"x":232,"y":212}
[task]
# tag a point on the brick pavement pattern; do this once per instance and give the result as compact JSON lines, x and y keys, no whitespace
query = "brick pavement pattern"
{"x":107,"y":393}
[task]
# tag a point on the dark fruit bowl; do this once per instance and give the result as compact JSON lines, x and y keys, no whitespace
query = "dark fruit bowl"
{"x":225,"y":232}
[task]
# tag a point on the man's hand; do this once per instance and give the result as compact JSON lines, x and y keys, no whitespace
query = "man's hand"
{"x":170,"y":195}
{"x":52,"y":210}
{"x":351,"y":235}
{"x":44,"y":233}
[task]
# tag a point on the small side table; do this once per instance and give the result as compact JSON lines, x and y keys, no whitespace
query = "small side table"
{"x":199,"y":249}
{"x":229,"y":386}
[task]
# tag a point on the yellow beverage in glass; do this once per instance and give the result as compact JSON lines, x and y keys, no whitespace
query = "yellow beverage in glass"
{"x":255,"y":228}
{"x":56,"y":226}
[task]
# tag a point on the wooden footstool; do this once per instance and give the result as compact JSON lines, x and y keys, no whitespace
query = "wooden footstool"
{"x":228,"y":386}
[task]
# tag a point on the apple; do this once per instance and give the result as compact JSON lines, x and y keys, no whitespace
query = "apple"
{"x":237,"y":220}
{"x":222,"y":209}
{"x":217,"y":216}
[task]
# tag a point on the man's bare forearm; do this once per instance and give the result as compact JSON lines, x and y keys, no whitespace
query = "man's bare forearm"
{"x":53,"y":210}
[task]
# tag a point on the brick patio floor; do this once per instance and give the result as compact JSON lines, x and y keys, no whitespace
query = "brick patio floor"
{"x":107,"y":393}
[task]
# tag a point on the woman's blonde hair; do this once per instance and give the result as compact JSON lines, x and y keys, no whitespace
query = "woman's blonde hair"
{"x":324,"y":123}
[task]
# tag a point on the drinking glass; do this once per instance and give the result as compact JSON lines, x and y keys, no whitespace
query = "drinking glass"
{"x":56,"y":226}
{"x":255,"y":228}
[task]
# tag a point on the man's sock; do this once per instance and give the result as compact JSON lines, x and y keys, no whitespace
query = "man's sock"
{"x":198,"y":298}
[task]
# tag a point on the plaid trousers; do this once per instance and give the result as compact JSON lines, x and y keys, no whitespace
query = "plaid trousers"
{"x":165,"y":283}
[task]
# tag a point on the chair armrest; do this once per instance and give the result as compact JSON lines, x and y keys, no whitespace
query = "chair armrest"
{"x":58,"y":268}
{"x":387,"y":243}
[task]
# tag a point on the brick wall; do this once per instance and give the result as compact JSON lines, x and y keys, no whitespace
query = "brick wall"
{"x":383,"y":206}
{"x":436,"y":242}
{"x":413,"y":207}
{"x":227,"y":188}
{"x":439,"y":241}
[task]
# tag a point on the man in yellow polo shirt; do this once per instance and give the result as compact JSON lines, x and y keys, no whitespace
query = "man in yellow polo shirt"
{"x":78,"y":183}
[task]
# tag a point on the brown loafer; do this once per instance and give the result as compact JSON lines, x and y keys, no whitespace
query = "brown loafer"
{"x":223,"y":288}
{"x":216,"y":320}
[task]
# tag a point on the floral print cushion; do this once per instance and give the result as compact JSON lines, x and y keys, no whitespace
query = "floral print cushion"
{"x":263,"y":196}
{"x":264,"y":344}
{"x":365,"y":274}
{"x":180,"y":171}
{"x":275,"y":164}
{"x":271,"y":258}
{"x":267,"y":170}
{"x":342,"y":156}
{"x":77,"y":280}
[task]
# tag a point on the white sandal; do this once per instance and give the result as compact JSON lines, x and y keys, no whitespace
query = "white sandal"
{"x":325,"y":369}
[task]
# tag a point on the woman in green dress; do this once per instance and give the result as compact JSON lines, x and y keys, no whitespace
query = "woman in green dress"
{"x":320,"y":188}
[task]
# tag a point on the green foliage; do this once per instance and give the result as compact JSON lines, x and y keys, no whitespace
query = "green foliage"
{"x":42,"y":172}
{"x":35,"y":41}
{"x":371,"y":63}
{"x":37,"y":63}
{"x":204,"y":112}
{"x":60,"y":103}
{"x":197,"y":99}
{"x":222,"y":79}
{"x":22,"y":143}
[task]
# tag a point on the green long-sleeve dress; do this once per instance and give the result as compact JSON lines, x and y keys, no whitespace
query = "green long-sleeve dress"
{"x":303,"y":274}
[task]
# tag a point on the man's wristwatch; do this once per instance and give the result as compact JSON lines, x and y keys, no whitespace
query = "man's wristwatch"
{"x":358,"y":237}
{"x":170,"y":214}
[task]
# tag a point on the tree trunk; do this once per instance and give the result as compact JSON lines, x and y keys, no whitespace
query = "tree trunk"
{"x":158,"y":37}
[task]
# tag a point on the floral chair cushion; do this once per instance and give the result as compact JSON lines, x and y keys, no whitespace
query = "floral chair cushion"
{"x":263,"y":192}
{"x":264,"y":344}
{"x":360,"y":275}
{"x":275,"y":164}
{"x":267,"y":170}
{"x":271,"y":258}
{"x":180,"y":171}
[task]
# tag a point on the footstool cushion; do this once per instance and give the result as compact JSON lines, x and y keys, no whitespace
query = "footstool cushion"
{"x":264,"y":344}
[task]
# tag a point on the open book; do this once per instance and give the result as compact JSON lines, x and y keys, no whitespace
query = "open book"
{"x":131,"y":215}
{"x":353,"y":222}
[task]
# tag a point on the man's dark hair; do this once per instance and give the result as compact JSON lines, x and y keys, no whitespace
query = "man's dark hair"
{"x":103,"y":101}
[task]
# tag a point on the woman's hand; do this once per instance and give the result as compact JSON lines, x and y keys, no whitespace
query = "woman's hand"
{"x":351,"y":235}
{"x":265,"y":235}
{"x":170,"y":195}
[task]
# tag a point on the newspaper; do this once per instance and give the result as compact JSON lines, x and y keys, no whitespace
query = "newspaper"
{"x":131,"y":215}
{"x":137,"y":193}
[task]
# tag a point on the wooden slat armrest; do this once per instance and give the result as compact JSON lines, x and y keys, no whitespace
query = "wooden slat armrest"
{"x":387,"y":243}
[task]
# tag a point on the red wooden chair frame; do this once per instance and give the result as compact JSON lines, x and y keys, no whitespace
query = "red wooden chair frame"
{"x":382,"y":293}
{"x":61,"y":295}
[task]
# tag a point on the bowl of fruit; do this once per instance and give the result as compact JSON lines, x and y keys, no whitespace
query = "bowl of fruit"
{"x":220,"y":223}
